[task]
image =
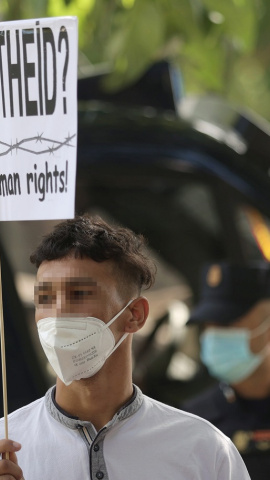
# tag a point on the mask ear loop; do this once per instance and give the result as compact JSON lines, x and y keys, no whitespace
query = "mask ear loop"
{"x":258,"y":331}
{"x":125,"y":334}
{"x":119,"y":342}
{"x":118,"y":314}
{"x":261,"y":328}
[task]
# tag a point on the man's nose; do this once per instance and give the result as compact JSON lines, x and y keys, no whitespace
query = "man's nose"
{"x":61,"y":304}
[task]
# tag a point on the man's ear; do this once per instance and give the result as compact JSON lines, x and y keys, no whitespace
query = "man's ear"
{"x":139,"y":310}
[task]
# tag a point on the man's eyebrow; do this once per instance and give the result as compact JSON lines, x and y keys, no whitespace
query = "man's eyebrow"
{"x":81,"y":281}
{"x":70,"y":282}
{"x":43,"y":286}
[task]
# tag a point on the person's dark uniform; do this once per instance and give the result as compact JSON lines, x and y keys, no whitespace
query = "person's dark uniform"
{"x":245,"y":421}
{"x":227,"y":296}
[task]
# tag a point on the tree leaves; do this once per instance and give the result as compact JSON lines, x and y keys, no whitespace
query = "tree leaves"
{"x":219,"y":45}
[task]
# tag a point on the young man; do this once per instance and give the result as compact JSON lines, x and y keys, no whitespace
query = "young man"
{"x":234,"y":317}
{"x":95,"y":424}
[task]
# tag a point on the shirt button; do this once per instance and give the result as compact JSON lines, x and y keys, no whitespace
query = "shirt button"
{"x":96,"y":448}
{"x":99,"y":475}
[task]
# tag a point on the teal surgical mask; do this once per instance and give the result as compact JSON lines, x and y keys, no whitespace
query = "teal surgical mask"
{"x":226,"y":352}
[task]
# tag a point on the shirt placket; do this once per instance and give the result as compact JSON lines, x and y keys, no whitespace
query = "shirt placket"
{"x":95,"y":442}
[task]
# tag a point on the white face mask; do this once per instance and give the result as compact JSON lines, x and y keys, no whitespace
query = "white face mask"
{"x":77,"y":347}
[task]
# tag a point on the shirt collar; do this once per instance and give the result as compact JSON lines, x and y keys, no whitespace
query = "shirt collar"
{"x":69,"y":421}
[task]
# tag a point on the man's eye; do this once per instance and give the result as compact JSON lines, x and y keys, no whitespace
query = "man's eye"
{"x":80,"y":294}
{"x":45,"y":299}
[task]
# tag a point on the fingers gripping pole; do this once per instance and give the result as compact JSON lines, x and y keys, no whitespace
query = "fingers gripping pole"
{"x":3,"y":362}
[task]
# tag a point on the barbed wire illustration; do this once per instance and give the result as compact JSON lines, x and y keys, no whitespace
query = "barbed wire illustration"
{"x":51,"y":147}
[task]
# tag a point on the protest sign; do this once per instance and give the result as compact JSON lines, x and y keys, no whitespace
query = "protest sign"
{"x":38,"y":112}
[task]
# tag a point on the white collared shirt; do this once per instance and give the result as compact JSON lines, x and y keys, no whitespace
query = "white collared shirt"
{"x":145,"y":440}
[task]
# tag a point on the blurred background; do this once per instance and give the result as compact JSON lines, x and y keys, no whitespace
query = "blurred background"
{"x":173,"y":142}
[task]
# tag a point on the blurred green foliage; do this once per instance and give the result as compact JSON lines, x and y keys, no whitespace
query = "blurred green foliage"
{"x":221,"y":46}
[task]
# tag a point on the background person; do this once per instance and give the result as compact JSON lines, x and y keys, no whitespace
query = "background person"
{"x":234,"y":319}
{"x":95,"y":423}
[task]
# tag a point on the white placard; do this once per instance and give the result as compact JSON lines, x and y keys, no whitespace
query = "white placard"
{"x":38,"y":118}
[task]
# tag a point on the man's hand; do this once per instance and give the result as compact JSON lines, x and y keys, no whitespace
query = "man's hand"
{"x":9,"y":469}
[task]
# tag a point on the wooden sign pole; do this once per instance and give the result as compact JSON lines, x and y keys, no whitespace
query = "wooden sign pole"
{"x":3,"y":362}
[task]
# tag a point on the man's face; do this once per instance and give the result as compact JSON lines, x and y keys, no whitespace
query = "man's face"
{"x":255,"y":317}
{"x":77,"y":287}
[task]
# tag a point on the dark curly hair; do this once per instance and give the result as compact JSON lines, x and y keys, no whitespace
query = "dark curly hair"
{"x":92,"y":237}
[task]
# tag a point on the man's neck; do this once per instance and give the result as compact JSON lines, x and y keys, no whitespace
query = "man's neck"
{"x":98,"y":398}
{"x":257,"y":385}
